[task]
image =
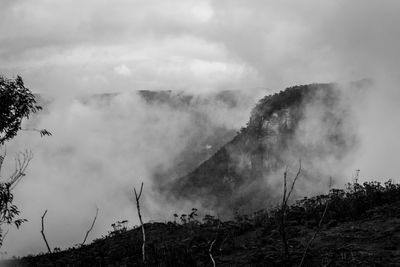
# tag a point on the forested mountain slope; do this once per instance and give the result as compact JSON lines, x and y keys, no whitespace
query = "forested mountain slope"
{"x":306,"y":122}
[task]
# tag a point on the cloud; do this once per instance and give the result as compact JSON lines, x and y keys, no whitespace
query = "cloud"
{"x":103,"y":146}
{"x":273,"y":44}
{"x":122,"y":70}
{"x":72,"y":48}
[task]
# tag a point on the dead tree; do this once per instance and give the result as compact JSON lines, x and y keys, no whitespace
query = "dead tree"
{"x":212,"y":244}
{"x":91,"y":227}
{"x":84,"y":240}
{"x":43,"y":235}
{"x":318,"y":228}
{"x":315,"y":234}
{"x":284,"y":206}
{"x":210,"y":252}
{"x":137,"y":197}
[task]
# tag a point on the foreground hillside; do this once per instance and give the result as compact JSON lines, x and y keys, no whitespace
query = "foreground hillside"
{"x":360,"y":228}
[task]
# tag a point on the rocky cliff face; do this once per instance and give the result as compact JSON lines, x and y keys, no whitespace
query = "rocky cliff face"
{"x":307,"y":122}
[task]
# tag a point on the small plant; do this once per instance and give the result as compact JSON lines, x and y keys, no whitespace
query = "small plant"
{"x":211,"y":220}
{"x":192,"y":216}
{"x":119,"y":227}
{"x":183,"y":219}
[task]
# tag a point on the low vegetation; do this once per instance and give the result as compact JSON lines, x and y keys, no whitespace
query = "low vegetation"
{"x":360,"y":212}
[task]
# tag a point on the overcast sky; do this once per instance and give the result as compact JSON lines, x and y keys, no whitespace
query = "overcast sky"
{"x":70,"y":47}
{"x":101,"y":45}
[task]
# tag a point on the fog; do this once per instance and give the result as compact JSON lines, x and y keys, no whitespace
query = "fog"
{"x":99,"y":151}
{"x":68,"y":49}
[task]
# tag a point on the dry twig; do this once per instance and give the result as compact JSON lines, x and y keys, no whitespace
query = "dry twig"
{"x":91,"y":227}
{"x":21,"y":163}
{"x":212,"y":244}
{"x":44,"y":237}
{"x":315,"y":234}
{"x":318,"y":228}
{"x":3,"y":237}
{"x":285,"y":200}
{"x":293,"y":183}
{"x":137,"y":197}
{"x":2,"y":157}
{"x":210,"y":251}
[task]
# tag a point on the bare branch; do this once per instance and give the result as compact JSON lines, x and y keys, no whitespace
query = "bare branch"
{"x":315,"y":234}
{"x":42,"y":132}
{"x":294,"y":182}
{"x":210,"y":251}
{"x":91,"y":227}
{"x":223,"y":242}
{"x":21,"y":163}
{"x":141,"y":221}
{"x":285,"y":199}
{"x":283,"y":215}
{"x":140,"y":193}
{"x":284,"y":186}
{"x":212,"y":244}
{"x":3,"y":237}
{"x":318,"y":229}
{"x":2,"y":157}
{"x":43,"y":235}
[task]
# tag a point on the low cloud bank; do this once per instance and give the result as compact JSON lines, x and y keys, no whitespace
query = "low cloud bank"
{"x":104,"y":146}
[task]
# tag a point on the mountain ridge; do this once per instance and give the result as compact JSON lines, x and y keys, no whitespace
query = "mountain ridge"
{"x":271,"y":131}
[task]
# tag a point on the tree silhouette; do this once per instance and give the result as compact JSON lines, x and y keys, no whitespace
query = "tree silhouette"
{"x":16,"y":103}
